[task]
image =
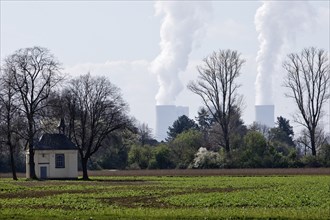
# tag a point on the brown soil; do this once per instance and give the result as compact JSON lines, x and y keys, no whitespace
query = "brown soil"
{"x":202,"y":172}
{"x":153,"y":201}
{"x":214,"y":172}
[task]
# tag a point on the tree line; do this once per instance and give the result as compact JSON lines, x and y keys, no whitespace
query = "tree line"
{"x":35,"y":95}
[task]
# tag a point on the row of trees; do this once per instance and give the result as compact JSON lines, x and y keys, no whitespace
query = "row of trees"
{"x":35,"y":95}
{"x":307,"y":79}
{"x":191,"y":145}
{"x":308,"y":83}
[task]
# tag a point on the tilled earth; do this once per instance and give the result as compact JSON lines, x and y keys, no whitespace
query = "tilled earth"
{"x":201,"y":172}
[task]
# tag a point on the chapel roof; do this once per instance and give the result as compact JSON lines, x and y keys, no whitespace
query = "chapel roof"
{"x":54,"y":142}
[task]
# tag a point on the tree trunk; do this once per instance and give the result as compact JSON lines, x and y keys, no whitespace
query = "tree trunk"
{"x":12,"y":161}
{"x":313,"y":144}
{"x":226,"y":137}
{"x":31,"y":151}
{"x":227,"y":144}
{"x":31,"y":160}
{"x":31,"y":164}
{"x":11,"y":148}
{"x":84,"y":167}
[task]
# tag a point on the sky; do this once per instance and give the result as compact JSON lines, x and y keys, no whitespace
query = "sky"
{"x":150,"y":50}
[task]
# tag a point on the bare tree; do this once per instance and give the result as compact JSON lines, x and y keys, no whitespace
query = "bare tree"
{"x":35,"y":72}
{"x":8,"y":113}
{"x":308,"y":79}
{"x":303,"y":141}
{"x":144,"y":133}
{"x":95,"y":110}
{"x":217,"y":87}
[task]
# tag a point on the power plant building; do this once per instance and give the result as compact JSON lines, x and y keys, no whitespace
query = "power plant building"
{"x":165,"y":116}
{"x":264,"y":115}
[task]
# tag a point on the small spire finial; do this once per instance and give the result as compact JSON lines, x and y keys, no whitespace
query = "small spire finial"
{"x":61,"y":126}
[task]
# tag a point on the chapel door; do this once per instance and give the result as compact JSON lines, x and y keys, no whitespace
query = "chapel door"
{"x":43,"y":172}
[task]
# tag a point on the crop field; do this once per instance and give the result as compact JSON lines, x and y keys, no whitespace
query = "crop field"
{"x":169,"y":197}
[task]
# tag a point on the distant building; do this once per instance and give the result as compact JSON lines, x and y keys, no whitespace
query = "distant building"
{"x":264,"y":115}
{"x":165,"y":116}
{"x":55,"y":157}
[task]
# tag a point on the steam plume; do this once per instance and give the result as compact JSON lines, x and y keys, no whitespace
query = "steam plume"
{"x":277,"y":23}
{"x":180,"y":30}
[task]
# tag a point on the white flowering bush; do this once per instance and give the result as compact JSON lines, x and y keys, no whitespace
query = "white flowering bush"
{"x":205,"y":159}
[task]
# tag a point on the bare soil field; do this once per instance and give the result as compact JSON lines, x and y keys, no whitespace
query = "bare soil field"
{"x":213,"y":172}
{"x":202,"y":172}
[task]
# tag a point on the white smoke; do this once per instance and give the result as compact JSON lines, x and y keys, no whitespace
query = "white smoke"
{"x":181,"y":29}
{"x":277,"y":24}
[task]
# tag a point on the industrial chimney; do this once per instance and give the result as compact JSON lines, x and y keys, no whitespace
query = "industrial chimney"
{"x":165,"y":116}
{"x":265,"y":115}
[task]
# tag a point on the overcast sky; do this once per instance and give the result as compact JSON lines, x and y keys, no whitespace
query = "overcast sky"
{"x":122,"y":40}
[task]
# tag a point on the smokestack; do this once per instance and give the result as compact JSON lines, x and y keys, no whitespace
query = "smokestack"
{"x":165,"y":116}
{"x":265,"y":115}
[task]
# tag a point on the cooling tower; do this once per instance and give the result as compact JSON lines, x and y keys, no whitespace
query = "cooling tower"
{"x":265,"y":115}
{"x":165,"y":116}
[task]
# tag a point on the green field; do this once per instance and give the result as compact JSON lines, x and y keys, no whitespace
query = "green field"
{"x":204,"y":197}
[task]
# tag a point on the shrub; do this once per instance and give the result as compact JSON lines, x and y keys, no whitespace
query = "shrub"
{"x":311,"y":161}
{"x":183,"y":148}
{"x":162,"y":158}
{"x":139,"y":156}
{"x":206,"y":159}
